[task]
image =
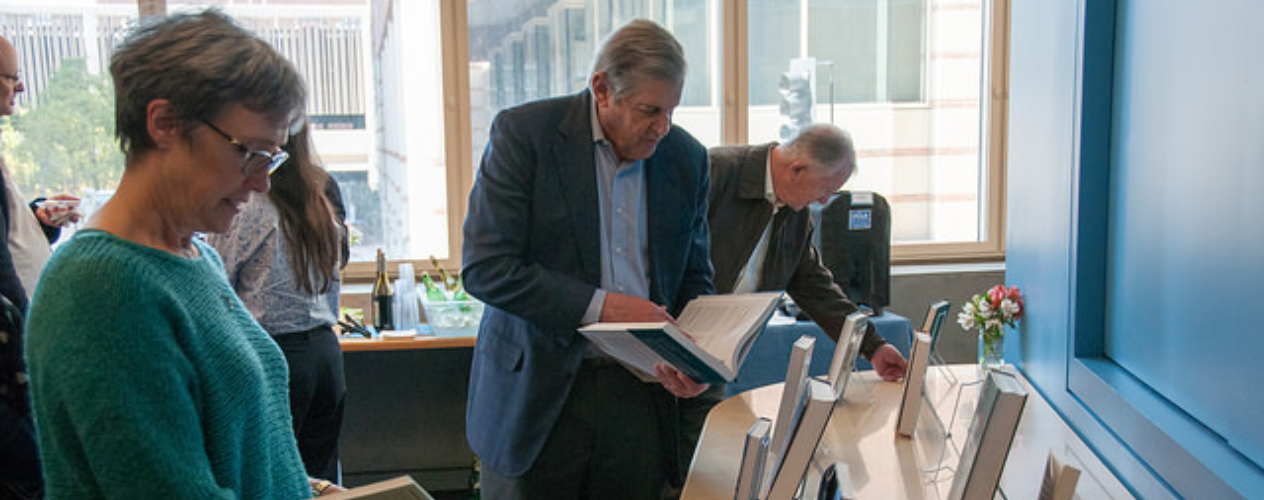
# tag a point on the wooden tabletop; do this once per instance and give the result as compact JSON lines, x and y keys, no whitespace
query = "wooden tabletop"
{"x":360,"y":344}
{"x":861,"y":434}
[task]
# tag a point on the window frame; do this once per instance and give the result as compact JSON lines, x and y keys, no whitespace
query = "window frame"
{"x":733,"y":118}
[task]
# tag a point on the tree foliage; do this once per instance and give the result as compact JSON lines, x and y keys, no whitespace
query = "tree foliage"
{"x":65,"y":142}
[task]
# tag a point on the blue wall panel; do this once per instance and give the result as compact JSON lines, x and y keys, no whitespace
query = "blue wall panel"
{"x":1103,"y":138}
{"x":1185,"y":260}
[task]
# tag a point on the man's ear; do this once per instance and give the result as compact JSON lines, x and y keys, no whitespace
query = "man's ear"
{"x":600,"y":85}
{"x":798,"y":167}
{"x":162,"y":123}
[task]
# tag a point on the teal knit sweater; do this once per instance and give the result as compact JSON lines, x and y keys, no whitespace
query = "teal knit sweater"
{"x":151,"y":380}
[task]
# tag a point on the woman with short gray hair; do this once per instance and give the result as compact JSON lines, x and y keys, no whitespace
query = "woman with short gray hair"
{"x":150,"y":379}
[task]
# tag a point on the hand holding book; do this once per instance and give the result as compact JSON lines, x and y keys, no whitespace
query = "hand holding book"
{"x":622,"y":308}
{"x":677,"y":383}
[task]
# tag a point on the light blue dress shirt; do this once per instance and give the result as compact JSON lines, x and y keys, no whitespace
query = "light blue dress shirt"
{"x":621,"y":197}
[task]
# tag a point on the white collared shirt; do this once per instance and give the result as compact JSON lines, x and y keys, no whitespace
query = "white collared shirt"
{"x":748,"y":279}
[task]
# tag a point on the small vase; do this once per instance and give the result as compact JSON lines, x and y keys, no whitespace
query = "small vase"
{"x":991,"y":349}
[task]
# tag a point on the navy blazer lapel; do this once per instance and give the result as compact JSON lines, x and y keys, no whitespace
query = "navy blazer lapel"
{"x":658,"y":204}
{"x":665,"y":205}
{"x":577,"y":172}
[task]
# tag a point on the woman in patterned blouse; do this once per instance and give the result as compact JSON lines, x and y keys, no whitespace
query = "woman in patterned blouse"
{"x":283,"y":255}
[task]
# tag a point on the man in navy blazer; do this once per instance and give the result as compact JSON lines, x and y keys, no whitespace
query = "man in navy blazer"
{"x":590,"y":207}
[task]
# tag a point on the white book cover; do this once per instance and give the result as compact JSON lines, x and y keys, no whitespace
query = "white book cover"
{"x":914,"y":382}
{"x":996,"y":418}
{"x":792,"y":391}
{"x":791,"y":466}
{"x":754,"y":456}
{"x":844,"y":361}
{"x":708,"y":342}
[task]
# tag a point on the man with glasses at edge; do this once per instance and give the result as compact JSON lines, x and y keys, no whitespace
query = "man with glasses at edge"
{"x":25,"y":233}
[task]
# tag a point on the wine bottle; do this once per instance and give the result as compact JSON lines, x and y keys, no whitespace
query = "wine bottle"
{"x":383,"y":297}
{"x":444,"y":277}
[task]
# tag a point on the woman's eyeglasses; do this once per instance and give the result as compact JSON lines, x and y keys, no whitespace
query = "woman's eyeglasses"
{"x":253,"y":161}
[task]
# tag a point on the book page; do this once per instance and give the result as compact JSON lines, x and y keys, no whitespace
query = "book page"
{"x":724,"y":323}
{"x":399,"y":488}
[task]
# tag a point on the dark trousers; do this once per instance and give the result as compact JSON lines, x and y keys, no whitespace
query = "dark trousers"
{"x":689,"y":416}
{"x":19,"y":456}
{"x":605,"y":445}
{"x":317,"y":390}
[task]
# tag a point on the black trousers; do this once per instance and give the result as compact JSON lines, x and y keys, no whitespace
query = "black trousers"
{"x":607,"y":444}
{"x":19,"y":456}
{"x":317,"y":390}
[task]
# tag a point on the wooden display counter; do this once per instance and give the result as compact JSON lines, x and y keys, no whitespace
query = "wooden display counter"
{"x":361,"y":344}
{"x":861,"y":434}
{"x":405,"y":411}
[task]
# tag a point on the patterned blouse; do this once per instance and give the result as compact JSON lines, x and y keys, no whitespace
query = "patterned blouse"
{"x":256,"y":256}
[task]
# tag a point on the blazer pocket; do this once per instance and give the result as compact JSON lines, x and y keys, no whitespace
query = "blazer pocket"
{"x":505,"y":353}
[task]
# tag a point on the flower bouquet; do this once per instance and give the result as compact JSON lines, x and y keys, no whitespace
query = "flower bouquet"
{"x":990,"y":313}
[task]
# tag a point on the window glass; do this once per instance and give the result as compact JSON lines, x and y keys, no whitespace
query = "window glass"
{"x":902,"y":75}
{"x":60,"y":139}
{"x":904,"y":79}
{"x":390,"y":170}
{"x":522,"y":51}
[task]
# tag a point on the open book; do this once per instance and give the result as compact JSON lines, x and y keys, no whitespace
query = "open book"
{"x":722,"y":327}
{"x":400,"y":488}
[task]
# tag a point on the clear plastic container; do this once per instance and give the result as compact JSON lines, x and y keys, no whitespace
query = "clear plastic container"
{"x":453,"y":318}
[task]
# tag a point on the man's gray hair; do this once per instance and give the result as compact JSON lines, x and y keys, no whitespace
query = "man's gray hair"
{"x":640,"y":50}
{"x":827,"y":146}
{"x":203,"y":63}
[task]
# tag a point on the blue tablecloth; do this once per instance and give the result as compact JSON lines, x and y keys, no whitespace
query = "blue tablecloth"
{"x":769,"y":357}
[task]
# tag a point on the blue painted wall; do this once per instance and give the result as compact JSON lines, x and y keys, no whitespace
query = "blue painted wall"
{"x":1136,"y":171}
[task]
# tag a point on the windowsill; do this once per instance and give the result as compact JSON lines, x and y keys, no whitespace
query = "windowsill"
{"x":358,"y":286}
{"x":921,"y":269}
